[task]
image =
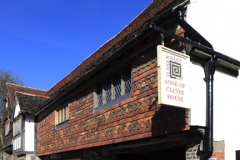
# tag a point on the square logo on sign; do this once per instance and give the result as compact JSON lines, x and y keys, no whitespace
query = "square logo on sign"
{"x":175,"y":70}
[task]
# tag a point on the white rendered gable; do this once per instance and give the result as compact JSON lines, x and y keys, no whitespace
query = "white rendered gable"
{"x":17,"y":107}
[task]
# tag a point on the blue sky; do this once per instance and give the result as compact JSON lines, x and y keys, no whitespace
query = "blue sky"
{"x":45,"y":40}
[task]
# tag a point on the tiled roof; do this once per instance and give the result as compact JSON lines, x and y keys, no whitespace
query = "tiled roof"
{"x":11,"y":87}
{"x":152,"y":14}
{"x":29,"y":103}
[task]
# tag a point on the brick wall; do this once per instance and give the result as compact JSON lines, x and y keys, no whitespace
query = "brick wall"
{"x":218,"y":155}
{"x":137,"y":117}
{"x":192,"y":154}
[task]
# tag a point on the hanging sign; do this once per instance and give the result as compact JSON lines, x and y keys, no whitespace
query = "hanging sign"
{"x":173,"y":77}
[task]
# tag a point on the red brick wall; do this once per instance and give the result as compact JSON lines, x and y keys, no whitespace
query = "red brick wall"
{"x":218,"y":155}
{"x":137,"y":117}
{"x":191,"y":153}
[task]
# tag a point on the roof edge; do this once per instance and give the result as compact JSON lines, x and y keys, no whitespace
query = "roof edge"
{"x":30,"y":94}
{"x":18,"y":85}
{"x":154,"y":7}
{"x":141,"y":31}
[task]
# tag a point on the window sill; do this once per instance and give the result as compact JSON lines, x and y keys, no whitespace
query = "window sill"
{"x":115,"y":101}
{"x":62,"y":124}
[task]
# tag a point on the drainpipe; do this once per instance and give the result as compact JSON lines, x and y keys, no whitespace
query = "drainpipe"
{"x":209,"y":69}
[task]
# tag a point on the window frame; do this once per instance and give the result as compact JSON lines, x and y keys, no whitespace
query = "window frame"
{"x":124,"y":93}
{"x":62,"y":115}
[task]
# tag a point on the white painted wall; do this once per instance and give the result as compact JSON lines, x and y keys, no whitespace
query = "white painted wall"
{"x":218,"y":21}
{"x":29,"y":133}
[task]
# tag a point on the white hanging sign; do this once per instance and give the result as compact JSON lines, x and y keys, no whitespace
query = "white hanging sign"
{"x":173,"y":77}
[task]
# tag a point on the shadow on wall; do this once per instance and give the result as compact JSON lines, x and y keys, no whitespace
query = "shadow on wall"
{"x":167,"y":119}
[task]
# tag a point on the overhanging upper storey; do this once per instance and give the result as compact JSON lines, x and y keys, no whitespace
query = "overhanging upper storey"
{"x":139,"y":34}
{"x":162,"y":22}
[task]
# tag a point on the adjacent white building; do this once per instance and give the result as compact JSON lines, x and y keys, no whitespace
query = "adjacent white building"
{"x":217,"y":21}
{"x":24,"y":133}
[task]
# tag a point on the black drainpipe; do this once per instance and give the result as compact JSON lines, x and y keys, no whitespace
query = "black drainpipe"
{"x":209,"y":69}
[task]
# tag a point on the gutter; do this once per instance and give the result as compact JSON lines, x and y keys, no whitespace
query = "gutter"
{"x":201,"y":47}
{"x":137,"y":38}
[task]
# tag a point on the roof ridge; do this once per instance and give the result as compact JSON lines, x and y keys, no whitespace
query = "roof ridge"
{"x":9,"y":83}
{"x":30,"y":94}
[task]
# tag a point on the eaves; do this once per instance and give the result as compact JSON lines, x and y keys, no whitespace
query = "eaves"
{"x":118,"y":49}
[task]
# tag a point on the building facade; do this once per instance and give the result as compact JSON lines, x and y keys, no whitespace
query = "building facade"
{"x":111,"y":106}
{"x":107,"y":107}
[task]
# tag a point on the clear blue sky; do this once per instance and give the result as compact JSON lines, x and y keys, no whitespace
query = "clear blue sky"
{"x":44,"y":40}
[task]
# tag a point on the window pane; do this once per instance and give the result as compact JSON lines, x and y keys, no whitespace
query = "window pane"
{"x":117,"y":85}
{"x":128,"y":80}
{"x":65,"y":113}
{"x":108,"y":90}
{"x":62,"y":114}
{"x":59,"y":116}
{"x":99,"y":95}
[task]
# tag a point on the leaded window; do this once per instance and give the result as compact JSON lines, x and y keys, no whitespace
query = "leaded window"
{"x":127,"y":80}
{"x":117,"y":85}
{"x":114,"y":87}
{"x":108,"y":90}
